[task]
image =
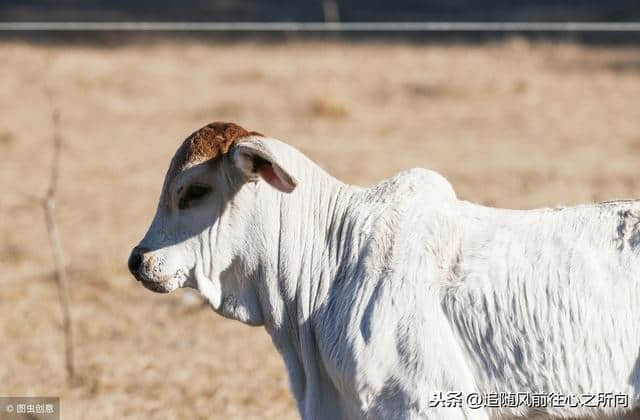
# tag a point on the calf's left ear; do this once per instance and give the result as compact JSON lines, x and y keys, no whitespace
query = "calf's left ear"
{"x":254,"y":159}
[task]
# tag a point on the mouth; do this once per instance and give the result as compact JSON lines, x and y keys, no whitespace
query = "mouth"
{"x":163,"y":284}
{"x":154,"y":286}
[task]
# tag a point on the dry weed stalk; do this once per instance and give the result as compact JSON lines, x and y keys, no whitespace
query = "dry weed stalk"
{"x":49,"y":204}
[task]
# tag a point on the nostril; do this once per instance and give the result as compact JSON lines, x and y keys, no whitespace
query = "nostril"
{"x":135,"y":261}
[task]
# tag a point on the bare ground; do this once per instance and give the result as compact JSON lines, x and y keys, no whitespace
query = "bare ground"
{"x":511,"y":124}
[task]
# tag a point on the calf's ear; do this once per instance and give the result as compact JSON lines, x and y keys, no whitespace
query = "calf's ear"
{"x":254,"y":159}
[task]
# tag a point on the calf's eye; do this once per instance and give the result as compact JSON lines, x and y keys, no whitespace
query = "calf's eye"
{"x":192,"y":195}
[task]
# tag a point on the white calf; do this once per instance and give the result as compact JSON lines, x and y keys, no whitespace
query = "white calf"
{"x":400,"y":301}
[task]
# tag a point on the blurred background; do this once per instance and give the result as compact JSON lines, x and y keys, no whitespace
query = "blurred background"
{"x":318,"y":10}
{"x":512,"y":119}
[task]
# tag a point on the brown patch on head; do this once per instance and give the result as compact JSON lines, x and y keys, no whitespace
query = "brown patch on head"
{"x":210,"y":142}
{"x":213,"y":140}
{"x":206,"y":144}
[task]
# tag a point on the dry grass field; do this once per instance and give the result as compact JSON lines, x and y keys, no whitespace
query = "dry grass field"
{"x":511,"y":124}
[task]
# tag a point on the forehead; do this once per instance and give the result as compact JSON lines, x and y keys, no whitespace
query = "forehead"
{"x":209,"y":143}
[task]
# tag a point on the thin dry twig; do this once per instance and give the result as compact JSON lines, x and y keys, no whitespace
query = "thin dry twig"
{"x":49,"y":204}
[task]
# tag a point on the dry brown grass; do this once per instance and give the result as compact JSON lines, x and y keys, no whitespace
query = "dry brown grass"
{"x":511,"y":124}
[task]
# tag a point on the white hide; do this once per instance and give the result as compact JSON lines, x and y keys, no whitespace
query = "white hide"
{"x":378,"y":298}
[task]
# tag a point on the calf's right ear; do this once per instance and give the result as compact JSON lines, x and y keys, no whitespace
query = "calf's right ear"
{"x":254,"y":159}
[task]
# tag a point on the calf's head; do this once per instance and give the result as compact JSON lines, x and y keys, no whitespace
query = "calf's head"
{"x":201,"y":233}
